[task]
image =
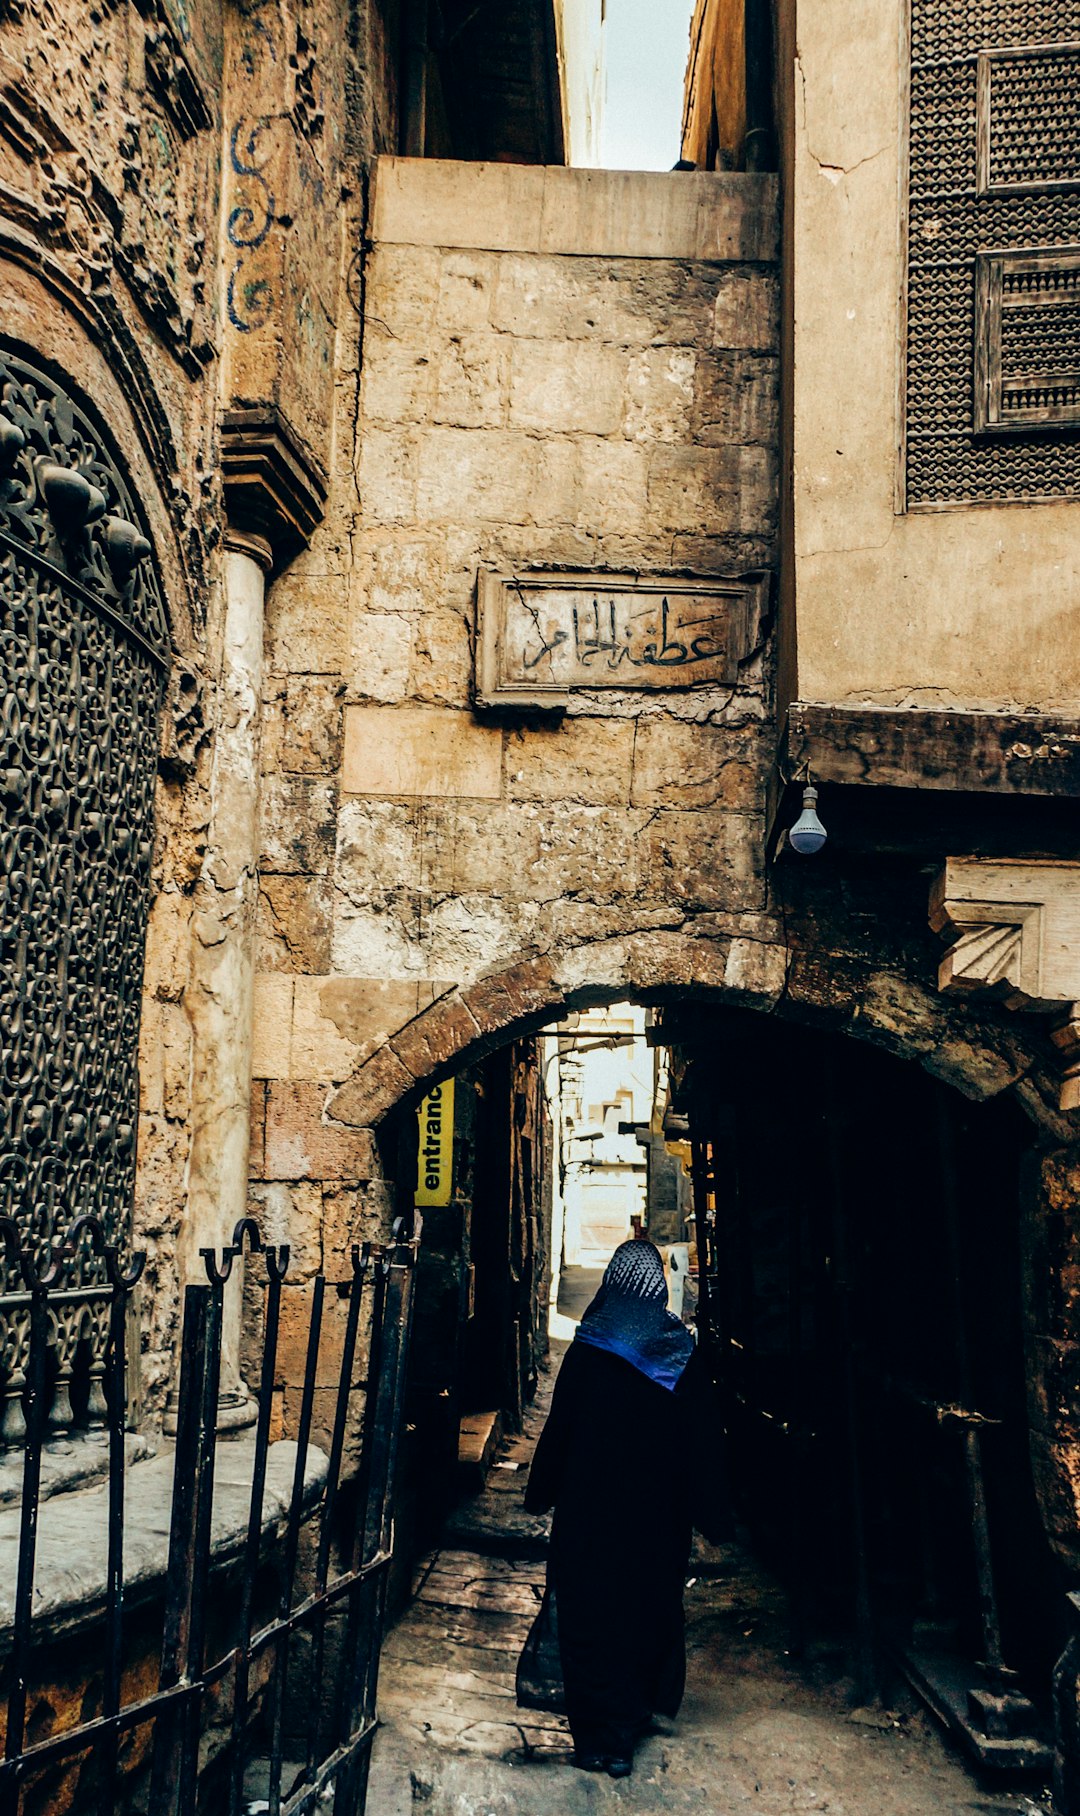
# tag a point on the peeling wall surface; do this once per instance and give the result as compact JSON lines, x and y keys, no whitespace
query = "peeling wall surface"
{"x":963,"y":607}
{"x":563,"y":371}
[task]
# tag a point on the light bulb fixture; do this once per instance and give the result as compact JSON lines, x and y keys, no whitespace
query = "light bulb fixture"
{"x":808,"y":835}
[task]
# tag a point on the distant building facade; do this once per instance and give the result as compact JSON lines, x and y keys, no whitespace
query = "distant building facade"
{"x":606,"y":1085}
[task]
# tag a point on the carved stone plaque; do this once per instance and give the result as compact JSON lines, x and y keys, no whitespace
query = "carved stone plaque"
{"x":543,"y":636}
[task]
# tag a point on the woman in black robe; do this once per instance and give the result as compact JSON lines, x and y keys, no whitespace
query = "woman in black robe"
{"x":630,"y":1460}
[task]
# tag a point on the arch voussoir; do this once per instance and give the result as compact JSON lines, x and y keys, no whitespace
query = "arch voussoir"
{"x":971,"y":1051}
{"x":372,"y":1091}
{"x":649,"y":967}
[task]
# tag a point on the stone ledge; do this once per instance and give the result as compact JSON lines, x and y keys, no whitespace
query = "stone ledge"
{"x":903,"y":747}
{"x":705,"y":216}
{"x":73,"y":1532}
{"x":70,"y":1463}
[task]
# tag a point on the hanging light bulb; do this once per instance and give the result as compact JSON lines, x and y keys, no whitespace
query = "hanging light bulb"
{"x":808,"y":834}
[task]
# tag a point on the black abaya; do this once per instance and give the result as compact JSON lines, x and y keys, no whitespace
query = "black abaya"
{"x":630,"y":1468}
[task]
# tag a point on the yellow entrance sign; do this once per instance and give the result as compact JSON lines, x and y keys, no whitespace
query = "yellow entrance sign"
{"x":435,"y":1166}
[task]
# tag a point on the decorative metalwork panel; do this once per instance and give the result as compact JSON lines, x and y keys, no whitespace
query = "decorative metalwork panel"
{"x":83,"y":659}
{"x":994,"y":173}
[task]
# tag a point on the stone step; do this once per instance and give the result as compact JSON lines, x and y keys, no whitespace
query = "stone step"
{"x":479,"y":1435}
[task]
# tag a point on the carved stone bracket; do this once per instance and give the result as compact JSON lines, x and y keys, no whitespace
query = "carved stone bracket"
{"x":1015,"y":932}
{"x":273,"y":487}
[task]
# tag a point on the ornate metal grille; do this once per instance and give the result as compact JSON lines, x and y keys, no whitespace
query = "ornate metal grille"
{"x":83,"y":657}
{"x":994,"y":169}
{"x":1027,"y":357}
{"x":233,"y":1689}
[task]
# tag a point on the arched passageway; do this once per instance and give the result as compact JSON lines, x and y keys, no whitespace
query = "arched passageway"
{"x":874,"y":1256}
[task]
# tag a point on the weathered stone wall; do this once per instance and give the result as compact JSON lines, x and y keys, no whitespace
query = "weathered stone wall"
{"x":173,"y":242}
{"x":110,"y":171}
{"x":561,"y":370}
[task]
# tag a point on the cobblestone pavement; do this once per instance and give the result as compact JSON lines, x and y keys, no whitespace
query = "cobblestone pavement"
{"x":758,"y":1733}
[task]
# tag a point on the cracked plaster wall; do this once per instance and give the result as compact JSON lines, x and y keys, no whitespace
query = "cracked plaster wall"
{"x":960,"y":608}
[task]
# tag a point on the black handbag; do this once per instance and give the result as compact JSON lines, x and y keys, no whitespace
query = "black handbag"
{"x":539,"y":1672}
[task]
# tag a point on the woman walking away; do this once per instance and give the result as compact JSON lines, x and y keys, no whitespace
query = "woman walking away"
{"x":631,"y":1461}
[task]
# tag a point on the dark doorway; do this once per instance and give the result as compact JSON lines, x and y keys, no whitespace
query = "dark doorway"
{"x":480,"y":1329}
{"x":868,"y":1323}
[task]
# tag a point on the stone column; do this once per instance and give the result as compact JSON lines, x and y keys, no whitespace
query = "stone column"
{"x":221,"y":991}
{"x":279,"y":273}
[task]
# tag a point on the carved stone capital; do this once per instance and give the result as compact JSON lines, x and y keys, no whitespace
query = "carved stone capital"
{"x":248,"y":542}
{"x":995,"y":952}
{"x":1014,"y":927}
{"x":273,"y":488}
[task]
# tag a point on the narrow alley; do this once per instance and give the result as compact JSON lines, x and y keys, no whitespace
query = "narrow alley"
{"x":539,"y":907}
{"x":759,"y":1731}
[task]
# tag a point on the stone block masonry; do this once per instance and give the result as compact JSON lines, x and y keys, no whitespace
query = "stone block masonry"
{"x":563,"y":371}
{"x":420,"y":751}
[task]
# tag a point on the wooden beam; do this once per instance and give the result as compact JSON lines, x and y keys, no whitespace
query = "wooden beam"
{"x":970,"y":752}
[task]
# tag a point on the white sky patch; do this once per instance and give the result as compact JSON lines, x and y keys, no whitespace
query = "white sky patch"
{"x":646,"y":47}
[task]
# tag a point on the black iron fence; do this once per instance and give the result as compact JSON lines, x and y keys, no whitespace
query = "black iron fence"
{"x":266,"y":1663}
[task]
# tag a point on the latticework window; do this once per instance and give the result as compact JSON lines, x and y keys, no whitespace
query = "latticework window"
{"x":992,"y":349}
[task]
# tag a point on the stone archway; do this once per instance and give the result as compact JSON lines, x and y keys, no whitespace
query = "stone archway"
{"x":980,"y":1050}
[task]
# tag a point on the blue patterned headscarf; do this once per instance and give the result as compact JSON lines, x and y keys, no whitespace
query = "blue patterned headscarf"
{"x":630,"y":1316}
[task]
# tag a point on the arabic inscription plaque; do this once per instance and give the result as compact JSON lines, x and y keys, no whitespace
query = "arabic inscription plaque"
{"x":542,"y":636}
